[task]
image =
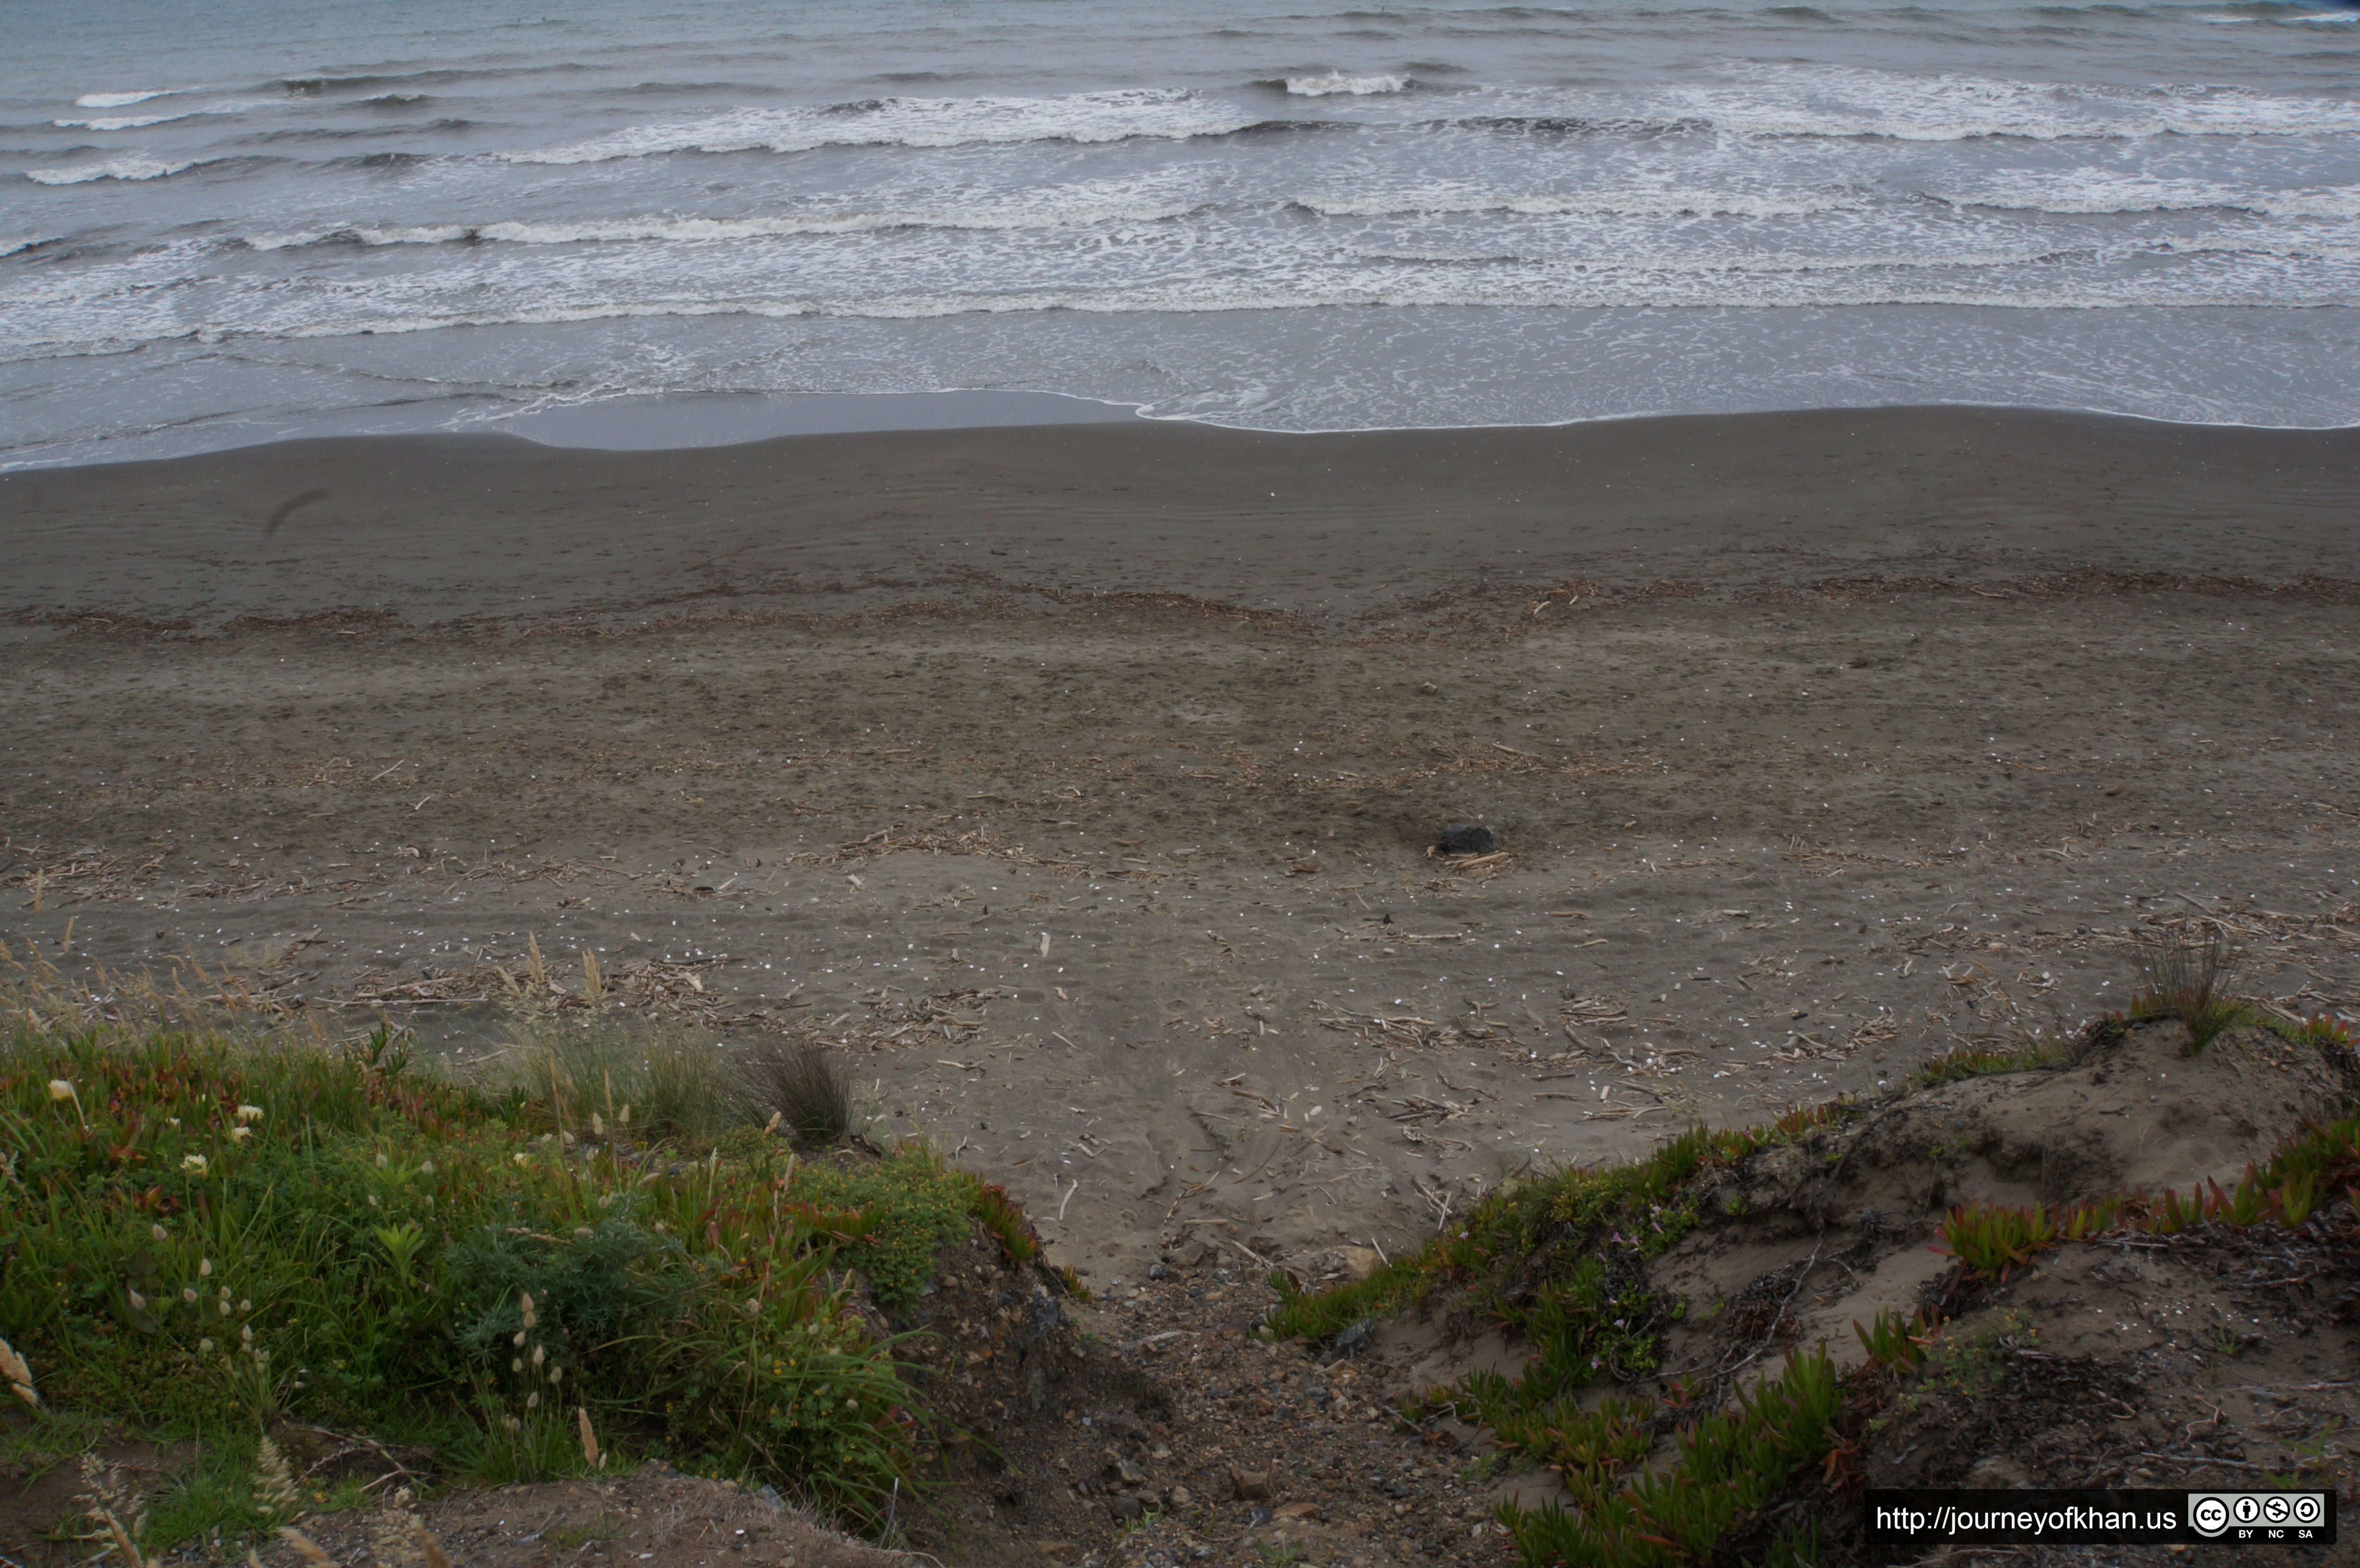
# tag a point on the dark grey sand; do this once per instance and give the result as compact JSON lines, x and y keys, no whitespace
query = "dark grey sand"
{"x":1341,"y":527}
{"x":1820,"y":743}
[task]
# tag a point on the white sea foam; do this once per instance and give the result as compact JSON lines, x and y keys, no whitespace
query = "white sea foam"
{"x":114,"y":169}
{"x":1851,"y":102}
{"x":121,"y":305}
{"x":136,"y":122}
{"x":1037,"y":215}
{"x":1356,"y":86}
{"x":119,"y":122}
{"x":1605,"y":292}
{"x":2092,"y":193}
{"x":1090,"y":117}
{"x":1636,"y":204}
{"x":1735,"y":265}
{"x":1447,"y":257}
{"x":2289,"y":247}
{"x":121,"y":99}
{"x":1692,"y":181}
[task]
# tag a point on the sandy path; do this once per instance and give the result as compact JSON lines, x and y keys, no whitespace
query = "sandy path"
{"x":1765,"y":846}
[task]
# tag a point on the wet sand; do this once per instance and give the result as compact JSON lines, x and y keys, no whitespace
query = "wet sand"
{"x":1354,"y":530}
{"x":1818,"y":743}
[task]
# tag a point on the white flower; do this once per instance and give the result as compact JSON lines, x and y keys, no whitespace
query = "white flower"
{"x":188,"y":1293}
{"x":158,"y":1232}
{"x":205,"y":1345}
{"x":250,"y":1113}
{"x":524,"y":1159}
{"x":240,"y":1134}
{"x":61,"y":1089}
{"x":204,"y":1265}
{"x":195,"y":1162}
{"x":139,"y":1301}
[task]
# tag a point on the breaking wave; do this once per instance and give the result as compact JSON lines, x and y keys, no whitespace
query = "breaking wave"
{"x":1638,"y":204}
{"x":1087,"y":118}
{"x":1355,"y":86}
{"x":121,"y":99}
{"x":1030,"y":216}
{"x":116,"y":169}
{"x":2094,"y":193}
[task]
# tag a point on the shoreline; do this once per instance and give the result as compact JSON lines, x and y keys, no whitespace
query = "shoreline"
{"x":665,"y":422}
{"x":1340,"y":530}
{"x":684,"y":422}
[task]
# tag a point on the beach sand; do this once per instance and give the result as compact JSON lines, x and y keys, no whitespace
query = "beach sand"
{"x":1083,"y":779}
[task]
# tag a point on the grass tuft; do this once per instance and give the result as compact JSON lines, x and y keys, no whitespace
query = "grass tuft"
{"x":605,"y":1077}
{"x":805,"y":1086}
{"x":2190,"y":978}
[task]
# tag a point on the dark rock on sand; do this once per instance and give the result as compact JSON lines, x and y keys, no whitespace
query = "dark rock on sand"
{"x":1468,"y":838}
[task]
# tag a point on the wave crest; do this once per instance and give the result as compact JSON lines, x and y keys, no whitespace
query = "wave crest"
{"x":1173,"y":114}
{"x":136,"y":122}
{"x":114,"y":169}
{"x":121,"y":99}
{"x":2090,"y":194}
{"x":120,"y":122}
{"x":1354,"y":86}
{"x":1749,"y":290}
{"x":715,"y":229}
{"x":1631,"y":204}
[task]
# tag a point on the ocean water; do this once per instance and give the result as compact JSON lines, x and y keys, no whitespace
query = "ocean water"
{"x":252,"y":218}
